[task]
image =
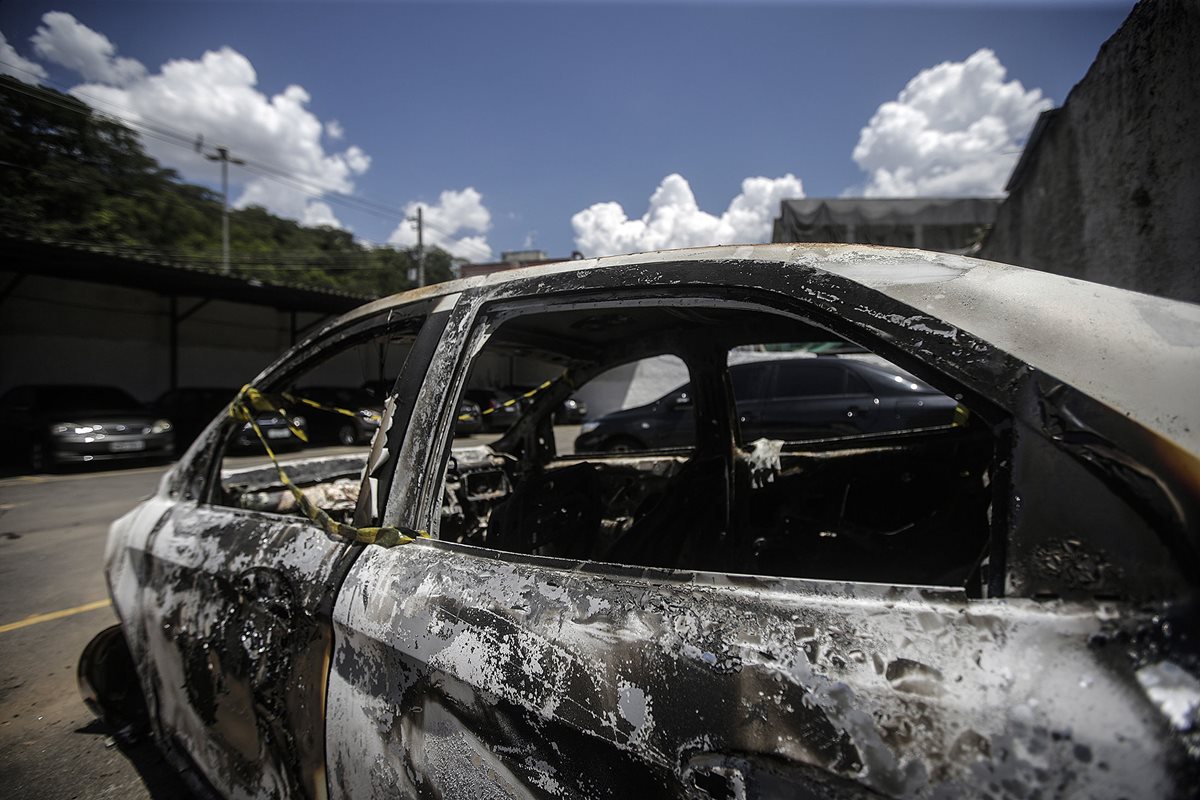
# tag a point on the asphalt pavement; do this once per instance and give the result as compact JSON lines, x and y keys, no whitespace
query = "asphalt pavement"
{"x":52,"y":601}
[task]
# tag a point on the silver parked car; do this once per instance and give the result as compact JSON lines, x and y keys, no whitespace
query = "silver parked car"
{"x":54,"y":425}
{"x":997,"y":603}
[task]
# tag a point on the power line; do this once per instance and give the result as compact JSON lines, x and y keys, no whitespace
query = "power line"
{"x":164,"y":133}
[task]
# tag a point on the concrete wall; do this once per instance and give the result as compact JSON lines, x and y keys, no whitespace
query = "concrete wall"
{"x":59,"y":331}
{"x":1111,"y":190}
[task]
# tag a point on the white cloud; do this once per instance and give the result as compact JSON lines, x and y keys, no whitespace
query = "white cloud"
{"x":11,"y":63}
{"x":955,"y":130}
{"x":65,"y":41}
{"x":358,"y":161}
{"x":287,"y":202}
{"x":215,"y":96}
{"x":334,"y":130}
{"x":675,"y":220}
{"x":456,"y":224}
{"x":318,"y":213}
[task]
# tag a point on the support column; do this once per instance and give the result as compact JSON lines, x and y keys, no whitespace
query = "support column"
{"x":173,"y":383}
{"x":176,"y":319}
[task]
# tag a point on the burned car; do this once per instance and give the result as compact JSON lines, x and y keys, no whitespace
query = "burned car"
{"x":997,"y":604}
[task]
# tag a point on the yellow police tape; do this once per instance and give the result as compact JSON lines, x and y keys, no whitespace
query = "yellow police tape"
{"x":513,"y":401}
{"x":961,"y":416}
{"x":244,"y":407}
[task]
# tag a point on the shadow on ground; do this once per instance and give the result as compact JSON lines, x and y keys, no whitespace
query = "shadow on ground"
{"x":159,"y":778}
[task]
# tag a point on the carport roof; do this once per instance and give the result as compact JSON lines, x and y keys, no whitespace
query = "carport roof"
{"x":119,"y":267}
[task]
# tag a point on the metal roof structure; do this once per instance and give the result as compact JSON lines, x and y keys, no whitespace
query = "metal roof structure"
{"x":23,"y":257}
{"x":120,"y":267}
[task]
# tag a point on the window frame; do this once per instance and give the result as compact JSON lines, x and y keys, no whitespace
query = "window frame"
{"x":489,"y":315}
{"x":201,"y":467}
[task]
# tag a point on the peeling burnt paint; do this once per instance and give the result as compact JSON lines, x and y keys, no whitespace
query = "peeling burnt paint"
{"x":894,"y":692}
{"x":233,"y":616}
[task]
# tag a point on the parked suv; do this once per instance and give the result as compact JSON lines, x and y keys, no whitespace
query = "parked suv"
{"x":792,"y":398}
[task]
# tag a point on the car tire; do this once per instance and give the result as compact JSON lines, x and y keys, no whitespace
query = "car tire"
{"x":38,"y":461}
{"x":622,"y":444}
{"x":347,"y":435}
{"x":108,"y":684}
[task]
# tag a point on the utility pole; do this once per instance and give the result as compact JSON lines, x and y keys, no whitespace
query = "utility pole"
{"x":223,"y":156}
{"x":419,"y":220}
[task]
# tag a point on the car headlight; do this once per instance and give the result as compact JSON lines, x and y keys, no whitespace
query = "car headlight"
{"x":588,"y":427}
{"x":299,"y":422}
{"x":160,"y":426}
{"x":64,"y":428}
{"x":370,"y":417}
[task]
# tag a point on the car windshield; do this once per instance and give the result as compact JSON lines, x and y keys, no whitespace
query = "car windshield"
{"x":91,"y":398}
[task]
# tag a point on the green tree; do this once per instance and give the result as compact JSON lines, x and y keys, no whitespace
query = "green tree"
{"x":70,"y":174}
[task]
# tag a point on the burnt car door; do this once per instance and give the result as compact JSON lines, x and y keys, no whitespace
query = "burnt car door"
{"x":236,"y":589}
{"x":473,"y":670}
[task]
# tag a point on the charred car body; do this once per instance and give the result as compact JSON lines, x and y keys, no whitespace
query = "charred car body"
{"x":1001,"y":605}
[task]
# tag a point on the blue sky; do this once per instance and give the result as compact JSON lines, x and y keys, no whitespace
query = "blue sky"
{"x":543,"y":110}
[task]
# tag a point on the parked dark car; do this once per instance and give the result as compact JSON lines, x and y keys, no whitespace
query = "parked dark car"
{"x":334,"y":427}
{"x":570,"y":411}
{"x":1004,"y":607}
{"x":468,"y":422}
{"x":74,"y":424}
{"x":500,"y":409}
{"x":786,"y":398}
{"x":191,"y":408}
{"x":470,"y":418}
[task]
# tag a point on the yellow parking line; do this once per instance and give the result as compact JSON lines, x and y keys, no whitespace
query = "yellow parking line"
{"x":66,"y":612}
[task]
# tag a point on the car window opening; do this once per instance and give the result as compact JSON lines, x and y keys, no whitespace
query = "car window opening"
{"x":346,"y":390}
{"x":727,"y":440}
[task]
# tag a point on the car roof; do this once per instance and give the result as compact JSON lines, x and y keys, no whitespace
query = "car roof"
{"x":1137,"y":353}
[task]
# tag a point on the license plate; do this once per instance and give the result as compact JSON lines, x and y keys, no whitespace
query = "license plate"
{"x":126,"y":447}
{"x":278,"y":433}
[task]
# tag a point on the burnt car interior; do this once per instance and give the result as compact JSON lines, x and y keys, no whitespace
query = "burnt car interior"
{"x":331,"y":483}
{"x":903,"y":507}
{"x":910,"y":506}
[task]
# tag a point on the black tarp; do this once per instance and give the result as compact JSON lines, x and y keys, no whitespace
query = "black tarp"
{"x":951,"y":225}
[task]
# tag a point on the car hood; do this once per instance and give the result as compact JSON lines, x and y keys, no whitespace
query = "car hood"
{"x":107,"y":417}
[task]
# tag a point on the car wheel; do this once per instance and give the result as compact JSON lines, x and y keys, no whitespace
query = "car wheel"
{"x":37,"y":457}
{"x":622,"y":444}
{"x":347,"y":435}
{"x":108,"y":684}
